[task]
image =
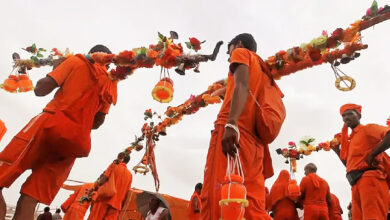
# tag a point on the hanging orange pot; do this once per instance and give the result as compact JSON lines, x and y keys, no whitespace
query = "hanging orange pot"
{"x":3,"y":129}
{"x":293,"y":190}
{"x":233,"y":198}
{"x":11,"y":84}
{"x":163,"y":91}
{"x":25,"y":84}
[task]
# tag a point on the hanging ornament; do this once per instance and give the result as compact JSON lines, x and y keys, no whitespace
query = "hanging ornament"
{"x":233,"y":192}
{"x":25,"y":84}
{"x":10,"y":84}
{"x":163,"y":91}
{"x":341,"y":77}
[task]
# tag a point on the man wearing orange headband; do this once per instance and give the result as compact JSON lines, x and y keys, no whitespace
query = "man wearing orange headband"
{"x":362,"y":152}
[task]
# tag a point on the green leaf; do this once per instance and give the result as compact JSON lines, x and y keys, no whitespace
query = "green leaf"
{"x":374,"y":8}
{"x":189,"y":45}
{"x":35,"y":59}
{"x":142,"y":51}
{"x":162,"y":37}
{"x":33,"y":47}
{"x":39,"y":55}
{"x":42,"y":49}
{"x":303,"y":142}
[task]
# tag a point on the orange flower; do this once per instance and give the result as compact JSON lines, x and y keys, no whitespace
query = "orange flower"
{"x":152,"y":54}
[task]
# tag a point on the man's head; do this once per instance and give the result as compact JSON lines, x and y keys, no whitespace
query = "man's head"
{"x":124,"y":157}
{"x":351,"y":114}
{"x":310,"y":168}
{"x":46,"y":209}
{"x":154,"y":204}
{"x":198,"y":187}
{"x":58,"y":211}
{"x":100,"y":48}
{"x":244,"y":40}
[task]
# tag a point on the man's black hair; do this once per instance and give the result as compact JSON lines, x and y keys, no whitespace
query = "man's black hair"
{"x":198,"y":186}
{"x":100,"y":48}
{"x":126,"y":159}
{"x":247,"y":41}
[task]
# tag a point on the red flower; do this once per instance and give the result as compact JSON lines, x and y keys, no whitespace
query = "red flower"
{"x":291,"y":143}
{"x":195,"y":43}
{"x":332,"y":42}
{"x":338,"y":33}
{"x":315,"y":55}
{"x":293,"y":153}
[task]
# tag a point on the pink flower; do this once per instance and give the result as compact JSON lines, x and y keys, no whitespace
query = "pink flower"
{"x":368,"y":12}
{"x":291,"y":143}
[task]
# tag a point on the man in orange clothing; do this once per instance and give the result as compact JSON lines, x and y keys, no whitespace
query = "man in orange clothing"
{"x":73,"y":209}
{"x":315,"y":195}
{"x":237,"y":115}
{"x":109,"y":208}
{"x":282,"y":207}
{"x":335,"y":210}
{"x":363,"y":154}
{"x":195,"y":204}
{"x":45,"y":145}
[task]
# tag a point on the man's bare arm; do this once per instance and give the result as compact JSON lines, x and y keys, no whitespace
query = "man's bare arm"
{"x":382,"y":147}
{"x":240,"y":93}
{"x":45,"y":86}
{"x":98,"y":120}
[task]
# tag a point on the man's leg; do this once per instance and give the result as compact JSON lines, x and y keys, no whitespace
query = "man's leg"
{"x":3,"y":206}
{"x":25,"y":208}
{"x":214,"y":174}
{"x":373,"y":202}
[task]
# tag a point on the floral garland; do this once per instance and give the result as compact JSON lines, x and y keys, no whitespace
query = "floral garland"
{"x":165,"y":54}
{"x":306,"y":146}
{"x":323,"y":49}
{"x":151,"y":131}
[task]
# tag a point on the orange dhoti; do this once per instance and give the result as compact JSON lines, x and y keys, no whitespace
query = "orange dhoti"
{"x":27,"y":151}
{"x":75,"y":213}
{"x":103,"y":211}
{"x":251,"y":154}
{"x":285,"y":210}
{"x":316,"y":212}
{"x":369,"y":197}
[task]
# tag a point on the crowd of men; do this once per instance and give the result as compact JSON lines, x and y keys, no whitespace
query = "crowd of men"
{"x":248,"y":121}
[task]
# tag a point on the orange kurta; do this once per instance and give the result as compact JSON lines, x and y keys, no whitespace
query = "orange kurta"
{"x":279,"y":202}
{"x":191,"y":214}
{"x":110,"y":208}
{"x":76,"y":210}
{"x":315,"y":190}
{"x":254,"y":154}
{"x":368,"y":201}
{"x":335,"y":210}
{"x":27,"y":150}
